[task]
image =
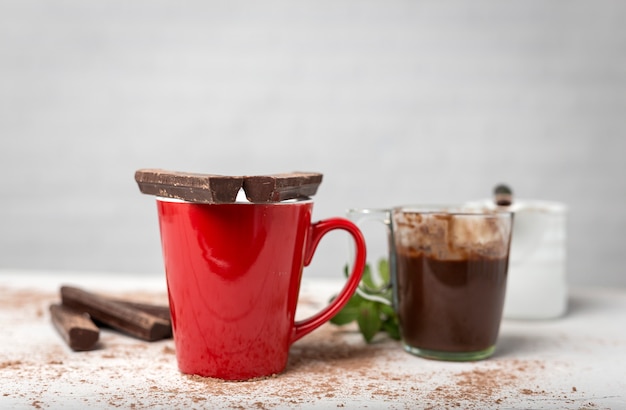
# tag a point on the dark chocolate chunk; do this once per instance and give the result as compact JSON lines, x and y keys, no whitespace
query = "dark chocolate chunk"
{"x":280,"y":187}
{"x":191,"y":187}
{"x":76,"y":328}
{"x":159,"y":311}
{"x":124,"y":318}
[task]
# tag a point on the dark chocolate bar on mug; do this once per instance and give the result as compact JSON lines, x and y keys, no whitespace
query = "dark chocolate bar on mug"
{"x":281,"y":187}
{"x":191,"y":187}
{"x":209,"y":188}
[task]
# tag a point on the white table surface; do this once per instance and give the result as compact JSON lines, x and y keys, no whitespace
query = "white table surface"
{"x":575,"y":362}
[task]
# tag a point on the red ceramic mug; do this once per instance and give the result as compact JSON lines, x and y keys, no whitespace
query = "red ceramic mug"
{"x":233,"y":277}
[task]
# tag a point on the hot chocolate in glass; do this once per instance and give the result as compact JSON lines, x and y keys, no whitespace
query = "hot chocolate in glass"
{"x":449,"y":274}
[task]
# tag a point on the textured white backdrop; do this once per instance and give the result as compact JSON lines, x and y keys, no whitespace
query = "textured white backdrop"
{"x":394,"y":101}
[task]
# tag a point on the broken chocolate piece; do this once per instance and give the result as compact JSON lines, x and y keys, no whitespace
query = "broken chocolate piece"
{"x":124,"y":318}
{"x":191,"y":187}
{"x":76,"y":328}
{"x":280,"y":187}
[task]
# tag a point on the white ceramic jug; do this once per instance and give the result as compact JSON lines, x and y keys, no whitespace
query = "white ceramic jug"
{"x":537,"y":283}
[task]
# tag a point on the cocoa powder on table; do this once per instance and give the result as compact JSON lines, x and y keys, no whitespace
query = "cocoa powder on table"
{"x":332,"y":364}
{"x":321,"y":367}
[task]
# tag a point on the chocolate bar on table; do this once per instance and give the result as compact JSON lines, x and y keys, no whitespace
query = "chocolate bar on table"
{"x":160,"y":311}
{"x":76,"y":328}
{"x":281,"y":187}
{"x":192,"y":187}
{"x":123,"y":317}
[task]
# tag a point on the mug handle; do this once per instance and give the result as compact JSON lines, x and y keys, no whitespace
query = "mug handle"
{"x":317,"y":231}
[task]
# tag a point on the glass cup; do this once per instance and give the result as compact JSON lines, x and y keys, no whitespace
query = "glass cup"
{"x":448,"y":270}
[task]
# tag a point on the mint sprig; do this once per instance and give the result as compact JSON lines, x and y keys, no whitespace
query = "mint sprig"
{"x":371,"y":306}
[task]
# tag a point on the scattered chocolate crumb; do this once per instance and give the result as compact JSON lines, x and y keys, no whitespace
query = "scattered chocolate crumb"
{"x":10,"y":363}
{"x":490,"y":384}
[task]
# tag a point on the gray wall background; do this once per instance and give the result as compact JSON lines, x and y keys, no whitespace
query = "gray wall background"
{"x":394,"y":101}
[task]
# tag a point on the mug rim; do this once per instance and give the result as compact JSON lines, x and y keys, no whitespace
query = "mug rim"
{"x":283,"y":203}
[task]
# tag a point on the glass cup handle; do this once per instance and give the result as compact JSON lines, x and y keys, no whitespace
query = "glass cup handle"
{"x":383,"y":216}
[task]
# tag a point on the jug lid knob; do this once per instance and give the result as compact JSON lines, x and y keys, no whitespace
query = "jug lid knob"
{"x":503,"y":195}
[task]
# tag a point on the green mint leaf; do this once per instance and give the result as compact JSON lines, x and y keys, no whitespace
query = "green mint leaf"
{"x":387,"y":310}
{"x":349,"y":312}
{"x":391,"y":327}
{"x":368,"y":320}
{"x":371,"y":316}
{"x":367,"y":279}
{"x":383,"y":270}
{"x":344,"y":317}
